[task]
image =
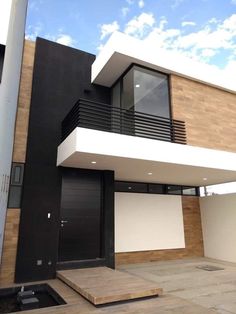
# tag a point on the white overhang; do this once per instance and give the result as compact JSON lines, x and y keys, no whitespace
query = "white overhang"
{"x":122,"y":50}
{"x":134,"y":158}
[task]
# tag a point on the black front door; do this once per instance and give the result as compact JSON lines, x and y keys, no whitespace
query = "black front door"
{"x":81,"y":215}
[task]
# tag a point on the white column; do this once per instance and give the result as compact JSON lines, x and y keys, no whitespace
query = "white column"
{"x":9,"y":88}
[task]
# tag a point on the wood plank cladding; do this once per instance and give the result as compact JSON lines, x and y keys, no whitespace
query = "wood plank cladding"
{"x":7,"y":269}
{"x":209,"y":113}
{"x":24,"y":99}
{"x":102,"y":285}
{"x":193,"y":239}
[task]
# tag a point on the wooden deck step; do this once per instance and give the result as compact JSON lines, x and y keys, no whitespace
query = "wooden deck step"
{"x":102,"y":285}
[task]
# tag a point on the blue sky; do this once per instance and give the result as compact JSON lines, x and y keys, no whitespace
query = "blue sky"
{"x":204,"y":30}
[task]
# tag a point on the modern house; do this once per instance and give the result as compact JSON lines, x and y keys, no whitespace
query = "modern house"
{"x":109,"y":154}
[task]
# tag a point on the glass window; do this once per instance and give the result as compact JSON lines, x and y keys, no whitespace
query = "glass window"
{"x":134,"y":187}
{"x":15,"y":189}
{"x":146,"y":91}
{"x":174,"y":189}
{"x":189,"y":190}
{"x":157,"y":188}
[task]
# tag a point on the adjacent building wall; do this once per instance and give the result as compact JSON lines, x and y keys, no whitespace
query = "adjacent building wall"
{"x":9,"y":88}
{"x":218,"y":214}
{"x":7,"y":268}
{"x":209,"y":113}
{"x":192,"y":234}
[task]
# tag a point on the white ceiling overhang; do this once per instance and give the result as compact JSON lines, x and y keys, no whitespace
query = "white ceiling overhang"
{"x":122,"y":50}
{"x":133,"y":158}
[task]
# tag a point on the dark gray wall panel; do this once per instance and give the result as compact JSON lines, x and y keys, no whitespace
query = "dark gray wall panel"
{"x":61,"y":74}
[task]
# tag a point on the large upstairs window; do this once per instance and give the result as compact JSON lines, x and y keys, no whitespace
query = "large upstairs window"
{"x":143,"y":90}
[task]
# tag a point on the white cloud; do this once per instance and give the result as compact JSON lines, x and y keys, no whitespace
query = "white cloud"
{"x":202,"y":45}
{"x":216,"y":37}
{"x":107,"y":29}
{"x":141,"y":4}
{"x":188,"y":23}
{"x":33,"y":31}
{"x":33,"y":5}
{"x":124,"y":11}
{"x":139,"y":25}
{"x":65,"y":39}
{"x":176,"y":3}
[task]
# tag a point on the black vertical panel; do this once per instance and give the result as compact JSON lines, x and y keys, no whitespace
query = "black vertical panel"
{"x":108,"y":206}
{"x":61,"y":76}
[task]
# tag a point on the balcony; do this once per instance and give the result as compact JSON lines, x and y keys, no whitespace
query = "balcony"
{"x":103,"y":117}
{"x":138,"y":148}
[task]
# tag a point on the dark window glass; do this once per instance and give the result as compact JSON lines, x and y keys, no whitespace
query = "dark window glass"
{"x":156,"y":188}
{"x":174,"y":189}
{"x":146,"y":91}
{"x":189,"y":190}
{"x":14,"y":198}
{"x":131,"y":187}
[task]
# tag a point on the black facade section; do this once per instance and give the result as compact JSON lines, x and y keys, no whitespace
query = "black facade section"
{"x":2,"y":54}
{"x":62,"y":75}
{"x":108,"y":205}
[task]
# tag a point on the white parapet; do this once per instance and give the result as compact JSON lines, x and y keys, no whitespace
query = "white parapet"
{"x":134,"y":158}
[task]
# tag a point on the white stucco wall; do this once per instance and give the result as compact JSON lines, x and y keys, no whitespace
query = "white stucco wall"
{"x":9,"y":88}
{"x":4,"y":20}
{"x":148,"y":222}
{"x":218,"y":213}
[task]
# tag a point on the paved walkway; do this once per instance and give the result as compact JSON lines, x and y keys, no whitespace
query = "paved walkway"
{"x":214,"y":290}
{"x":187,"y":290}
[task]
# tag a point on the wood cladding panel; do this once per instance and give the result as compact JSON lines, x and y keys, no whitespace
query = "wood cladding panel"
{"x":102,"y":285}
{"x":24,"y":99}
{"x":7,"y":269}
{"x":209,"y":113}
{"x":193,"y":239}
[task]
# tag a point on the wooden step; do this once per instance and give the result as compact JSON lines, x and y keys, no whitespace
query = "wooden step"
{"x":102,"y":285}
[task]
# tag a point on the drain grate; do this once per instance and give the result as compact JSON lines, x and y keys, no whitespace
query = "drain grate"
{"x":209,"y":267}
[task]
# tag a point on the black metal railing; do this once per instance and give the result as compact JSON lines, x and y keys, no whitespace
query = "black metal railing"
{"x":99,"y":116}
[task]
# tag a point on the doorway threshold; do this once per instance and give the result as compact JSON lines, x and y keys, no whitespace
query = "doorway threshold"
{"x":97,"y":262}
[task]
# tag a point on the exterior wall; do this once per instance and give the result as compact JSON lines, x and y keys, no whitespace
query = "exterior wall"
{"x":9,"y":88}
{"x":209,"y":113}
{"x":193,"y":239}
{"x":22,"y":118}
{"x":148,"y":222}
{"x":7,"y":269}
{"x":61,"y":76}
{"x":218,"y":222}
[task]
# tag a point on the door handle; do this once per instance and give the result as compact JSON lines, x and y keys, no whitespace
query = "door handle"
{"x":64,"y":221}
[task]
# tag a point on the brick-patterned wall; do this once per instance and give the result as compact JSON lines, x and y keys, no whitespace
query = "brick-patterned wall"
{"x":193,"y":239}
{"x":7,"y":267}
{"x":22,"y":119}
{"x":209,"y":113}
